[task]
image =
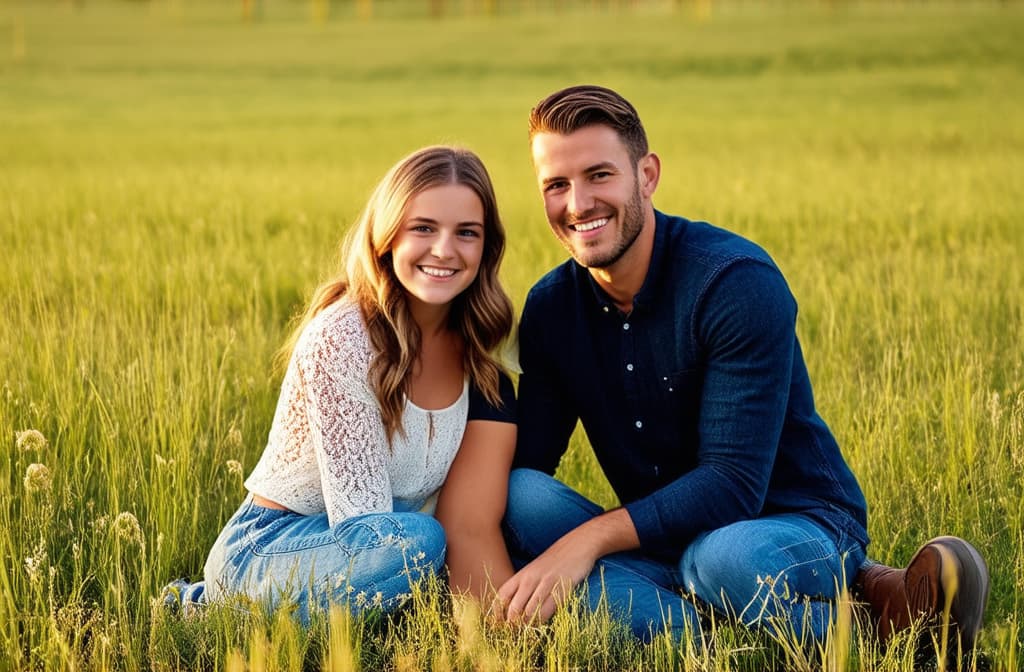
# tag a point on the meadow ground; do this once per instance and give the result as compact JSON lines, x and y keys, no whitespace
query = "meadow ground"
{"x":174,"y":180}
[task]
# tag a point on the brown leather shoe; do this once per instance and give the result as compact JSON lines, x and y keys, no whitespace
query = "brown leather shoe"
{"x":947,"y":573}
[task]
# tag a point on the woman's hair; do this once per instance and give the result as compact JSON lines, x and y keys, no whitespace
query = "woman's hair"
{"x":482,"y":314}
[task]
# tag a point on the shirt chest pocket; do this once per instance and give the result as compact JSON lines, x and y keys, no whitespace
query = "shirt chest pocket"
{"x":675,"y":397}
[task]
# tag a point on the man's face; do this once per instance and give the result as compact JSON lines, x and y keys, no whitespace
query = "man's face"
{"x":591,"y":193}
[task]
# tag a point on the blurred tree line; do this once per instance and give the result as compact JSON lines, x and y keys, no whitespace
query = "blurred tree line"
{"x":326,"y":10}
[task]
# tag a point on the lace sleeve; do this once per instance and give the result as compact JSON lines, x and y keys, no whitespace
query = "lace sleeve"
{"x":345,"y":427}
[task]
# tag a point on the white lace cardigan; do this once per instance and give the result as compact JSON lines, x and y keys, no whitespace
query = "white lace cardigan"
{"x":328,"y":450}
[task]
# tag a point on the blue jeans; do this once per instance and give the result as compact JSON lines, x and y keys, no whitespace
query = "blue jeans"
{"x":782,"y":572}
{"x":364,"y":561}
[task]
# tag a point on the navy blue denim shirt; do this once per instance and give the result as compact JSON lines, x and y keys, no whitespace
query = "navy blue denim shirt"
{"x":697,"y":404}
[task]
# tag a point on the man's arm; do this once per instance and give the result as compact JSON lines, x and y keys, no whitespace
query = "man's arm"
{"x":747,"y":325}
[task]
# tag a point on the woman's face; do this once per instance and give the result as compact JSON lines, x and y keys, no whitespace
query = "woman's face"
{"x":439,"y":244}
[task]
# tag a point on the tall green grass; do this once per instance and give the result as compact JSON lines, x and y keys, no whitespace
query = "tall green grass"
{"x":174,"y":180}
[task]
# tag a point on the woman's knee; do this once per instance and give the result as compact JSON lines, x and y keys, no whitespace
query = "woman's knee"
{"x":425,"y":540}
{"x":408,"y":539}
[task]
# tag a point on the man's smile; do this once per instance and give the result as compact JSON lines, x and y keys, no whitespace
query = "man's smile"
{"x":589,"y":226}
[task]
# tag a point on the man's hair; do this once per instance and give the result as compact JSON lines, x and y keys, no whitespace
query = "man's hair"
{"x":571,"y":109}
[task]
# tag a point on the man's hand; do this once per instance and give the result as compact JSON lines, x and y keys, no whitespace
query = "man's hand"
{"x":536,"y":590}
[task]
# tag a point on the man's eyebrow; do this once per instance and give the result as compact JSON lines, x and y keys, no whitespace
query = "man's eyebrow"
{"x":597,"y":167}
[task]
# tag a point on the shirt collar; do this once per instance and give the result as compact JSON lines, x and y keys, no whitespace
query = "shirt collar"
{"x":647,"y":296}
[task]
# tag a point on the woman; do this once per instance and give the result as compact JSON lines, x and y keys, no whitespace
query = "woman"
{"x":392,"y":390}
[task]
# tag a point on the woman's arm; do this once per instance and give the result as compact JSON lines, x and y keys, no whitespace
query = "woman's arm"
{"x":470,"y":508}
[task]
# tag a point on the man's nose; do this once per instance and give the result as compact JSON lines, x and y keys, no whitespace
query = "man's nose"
{"x":580,"y":200}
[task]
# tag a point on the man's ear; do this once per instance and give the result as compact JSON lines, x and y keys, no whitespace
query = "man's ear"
{"x":649,"y":172}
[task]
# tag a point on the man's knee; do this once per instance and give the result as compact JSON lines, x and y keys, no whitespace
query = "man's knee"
{"x":540,"y":510}
{"x":744,"y":559}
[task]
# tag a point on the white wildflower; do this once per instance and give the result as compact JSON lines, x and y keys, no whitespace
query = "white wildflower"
{"x":32,"y":567}
{"x":38,"y":478}
{"x":99,"y":525}
{"x":126,"y":526}
{"x":31,"y":441}
{"x":35,"y":562}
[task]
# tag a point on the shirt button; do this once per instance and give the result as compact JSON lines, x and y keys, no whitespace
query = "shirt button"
{"x":629,"y":367}
{"x":625,"y":327}
{"x":606,"y":309}
{"x":639,"y":425}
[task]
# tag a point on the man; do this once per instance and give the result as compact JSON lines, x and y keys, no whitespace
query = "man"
{"x":674,"y":343}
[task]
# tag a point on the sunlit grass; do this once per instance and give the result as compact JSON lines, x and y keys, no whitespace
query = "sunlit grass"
{"x":174,"y":180}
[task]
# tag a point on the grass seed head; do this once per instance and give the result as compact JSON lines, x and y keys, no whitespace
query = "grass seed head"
{"x":126,"y":527}
{"x":38,"y":478}
{"x":31,"y":441}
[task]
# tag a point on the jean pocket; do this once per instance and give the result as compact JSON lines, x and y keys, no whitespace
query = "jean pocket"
{"x":807,"y":551}
{"x":371,"y":530}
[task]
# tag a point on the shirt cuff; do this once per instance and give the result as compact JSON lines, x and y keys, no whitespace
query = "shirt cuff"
{"x":648,"y":525}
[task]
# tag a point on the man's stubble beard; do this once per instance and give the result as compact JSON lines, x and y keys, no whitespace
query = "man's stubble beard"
{"x":632,"y":225}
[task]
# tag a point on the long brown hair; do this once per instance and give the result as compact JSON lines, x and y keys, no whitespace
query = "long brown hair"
{"x":482,"y":314}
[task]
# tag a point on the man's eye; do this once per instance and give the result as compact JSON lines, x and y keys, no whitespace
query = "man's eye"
{"x":554,"y":186}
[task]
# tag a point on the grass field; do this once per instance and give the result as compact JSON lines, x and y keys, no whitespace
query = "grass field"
{"x":174,"y":180}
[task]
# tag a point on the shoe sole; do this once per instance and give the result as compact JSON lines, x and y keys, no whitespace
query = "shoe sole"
{"x":950,"y":574}
{"x":970,"y":586}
